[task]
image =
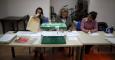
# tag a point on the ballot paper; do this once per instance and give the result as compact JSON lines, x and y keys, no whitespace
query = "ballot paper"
{"x":33,"y":24}
{"x":6,"y":38}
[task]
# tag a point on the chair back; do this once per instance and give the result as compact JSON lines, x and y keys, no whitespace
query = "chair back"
{"x":78,"y":25}
{"x":102,"y":26}
{"x":25,"y":19}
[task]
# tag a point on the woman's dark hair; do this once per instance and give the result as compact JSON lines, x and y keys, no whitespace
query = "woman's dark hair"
{"x":39,"y":8}
{"x":93,"y":14}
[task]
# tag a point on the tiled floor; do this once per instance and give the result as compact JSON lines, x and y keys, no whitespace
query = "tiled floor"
{"x":22,"y":54}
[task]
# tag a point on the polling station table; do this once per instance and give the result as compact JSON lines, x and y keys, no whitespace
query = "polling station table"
{"x":35,"y":40}
{"x":73,"y":39}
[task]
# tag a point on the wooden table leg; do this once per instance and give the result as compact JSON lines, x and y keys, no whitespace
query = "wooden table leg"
{"x":13,"y":52}
{"x":81,"y":53}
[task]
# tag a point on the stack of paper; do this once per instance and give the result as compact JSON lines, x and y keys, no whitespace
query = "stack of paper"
{"x":6,"y":38}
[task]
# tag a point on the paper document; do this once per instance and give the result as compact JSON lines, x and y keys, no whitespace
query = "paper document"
{"x":94,"y":34}
{"x":52,"y":33}
{"x":109,"y":35}
{"x":24,"y":33}
{"x":6,"y":38}
{"x":33,"y":24}
{"x":73,"y":33}
{"x":28,"y":33}
{"x":112,"y":40}
{"x":72,"y":38}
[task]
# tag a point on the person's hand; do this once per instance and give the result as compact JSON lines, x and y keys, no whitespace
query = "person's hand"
{"x":89,"y":32}
{"x":36,"y":16}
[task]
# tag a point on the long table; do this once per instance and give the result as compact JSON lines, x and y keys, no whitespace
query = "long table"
{"x":73,"y":39}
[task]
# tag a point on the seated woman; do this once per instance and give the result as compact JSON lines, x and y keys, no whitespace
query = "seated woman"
{"x":64,"y":17}
{"x":36,"y":20}
{"x":39,"y":13}
{"x":89,"y":25}
{"x":34,"y":25}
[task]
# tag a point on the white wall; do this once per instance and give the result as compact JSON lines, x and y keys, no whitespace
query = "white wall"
{"x":23,"y":7}
{"x":3,"y":11}
{"x":3,"y":8}
{"x":105,"y":9}
{"x":58,"y":4}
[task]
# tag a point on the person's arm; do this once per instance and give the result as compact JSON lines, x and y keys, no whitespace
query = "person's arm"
{"x":95,"y":27}
{"x":58,"y":19}
{"x":82,"y":26}
{"x":69,"y":23}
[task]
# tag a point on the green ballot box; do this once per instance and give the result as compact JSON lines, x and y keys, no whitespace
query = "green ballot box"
{"x":53,"y":40}
{"x":53,"y":26}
